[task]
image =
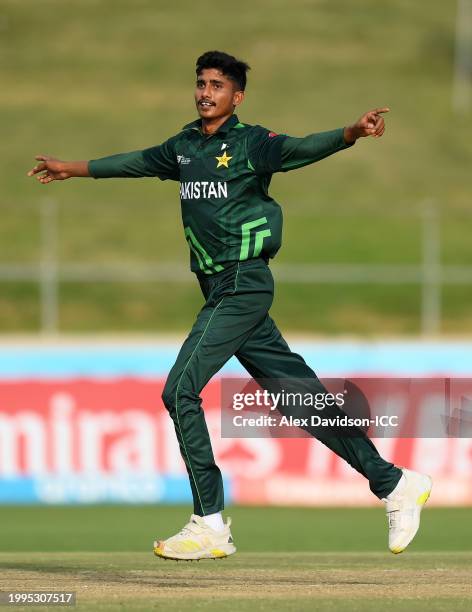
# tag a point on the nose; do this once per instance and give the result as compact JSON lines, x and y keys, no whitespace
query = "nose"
{"x":206,"y":91}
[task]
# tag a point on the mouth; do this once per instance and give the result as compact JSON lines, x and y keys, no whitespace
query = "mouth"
{"x":206,"y":104}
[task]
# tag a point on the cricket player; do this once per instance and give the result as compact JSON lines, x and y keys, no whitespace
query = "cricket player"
{"x":233,"y":228}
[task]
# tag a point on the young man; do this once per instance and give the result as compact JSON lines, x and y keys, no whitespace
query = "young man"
{"x":233,"y":227}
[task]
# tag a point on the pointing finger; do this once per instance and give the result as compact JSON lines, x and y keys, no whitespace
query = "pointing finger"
{"x":384,"y":109}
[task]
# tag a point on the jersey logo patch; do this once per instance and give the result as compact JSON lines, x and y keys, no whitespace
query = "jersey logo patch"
{"x":223,"y":146}
{"x":223,"y":160}
{"x":182,"y":160}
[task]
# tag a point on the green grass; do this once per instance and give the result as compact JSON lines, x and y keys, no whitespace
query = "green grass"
{"x":91,"y":78}
{"x":288,"y":559}
{"x":256,"y":529}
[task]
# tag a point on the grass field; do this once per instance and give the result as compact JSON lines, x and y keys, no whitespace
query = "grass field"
{"x":288,"y":559}
{"x":89,"y":78}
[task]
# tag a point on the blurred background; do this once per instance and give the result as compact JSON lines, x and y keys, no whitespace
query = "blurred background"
{"x":374,"y":276}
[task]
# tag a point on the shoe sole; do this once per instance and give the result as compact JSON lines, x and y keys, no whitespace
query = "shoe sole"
{"x":420,"y":502}
{"x":214,"y":553}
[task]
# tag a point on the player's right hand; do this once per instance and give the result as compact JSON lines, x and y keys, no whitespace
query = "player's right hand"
{"x":51,"y":169}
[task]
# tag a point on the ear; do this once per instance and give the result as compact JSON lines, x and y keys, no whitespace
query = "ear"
{"x":238,"y":97}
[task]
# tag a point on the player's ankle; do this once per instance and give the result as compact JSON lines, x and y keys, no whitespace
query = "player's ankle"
{"x":214,"y":521}
{"x":399,"y":488}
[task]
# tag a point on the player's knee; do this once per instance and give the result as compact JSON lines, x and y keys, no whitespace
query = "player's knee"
{"x":168,"y":397}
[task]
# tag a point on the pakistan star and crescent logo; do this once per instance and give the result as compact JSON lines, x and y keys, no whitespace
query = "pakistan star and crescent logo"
{"x":223,"y":160}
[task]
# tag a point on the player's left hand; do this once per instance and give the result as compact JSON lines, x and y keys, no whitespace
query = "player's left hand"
{"x":370,"y":124}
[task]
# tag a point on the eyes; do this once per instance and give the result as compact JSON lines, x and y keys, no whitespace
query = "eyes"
{"x":214,"y":84}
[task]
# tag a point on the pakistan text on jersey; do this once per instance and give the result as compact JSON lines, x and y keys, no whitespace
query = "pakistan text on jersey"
{"x":194,"y":190}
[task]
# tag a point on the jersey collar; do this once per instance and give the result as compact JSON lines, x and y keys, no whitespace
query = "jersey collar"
{"x":223,"y":129}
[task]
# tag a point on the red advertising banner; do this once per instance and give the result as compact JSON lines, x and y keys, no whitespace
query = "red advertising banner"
{"x":114,"y":427}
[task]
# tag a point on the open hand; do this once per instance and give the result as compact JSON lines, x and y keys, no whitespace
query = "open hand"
{"x":52,"y":169}
{"x":370,"y":124}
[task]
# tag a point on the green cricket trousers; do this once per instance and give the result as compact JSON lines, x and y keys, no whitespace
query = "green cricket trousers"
{"x":235,"y":321}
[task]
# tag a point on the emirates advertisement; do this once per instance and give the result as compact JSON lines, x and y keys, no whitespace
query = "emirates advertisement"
{"x":110,"y":439}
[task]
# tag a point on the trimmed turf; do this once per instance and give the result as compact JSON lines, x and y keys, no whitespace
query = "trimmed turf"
{"x":256,"y":529}
{"x":248,"y":581}
{"x":288,"y":559}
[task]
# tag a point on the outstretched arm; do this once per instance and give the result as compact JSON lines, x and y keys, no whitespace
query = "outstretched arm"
{"x":122,"y":165}
{"x":158,"y":161}
{"x":269,"y":152}
{"x":298,"y":152}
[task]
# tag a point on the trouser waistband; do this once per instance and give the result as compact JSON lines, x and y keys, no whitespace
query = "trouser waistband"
{"x":232,"y":268}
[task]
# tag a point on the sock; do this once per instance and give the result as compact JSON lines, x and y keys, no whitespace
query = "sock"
{"x":214,"y":521}
{"x":398,"y":489}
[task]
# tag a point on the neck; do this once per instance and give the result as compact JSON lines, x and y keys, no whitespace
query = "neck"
{"x":210,"y":126}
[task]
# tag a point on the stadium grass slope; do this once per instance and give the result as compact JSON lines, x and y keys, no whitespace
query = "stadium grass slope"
{"x":115,"y":82}
{"x":288,"y":559}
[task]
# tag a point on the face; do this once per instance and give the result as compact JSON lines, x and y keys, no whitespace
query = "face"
{"x":215,"y":94}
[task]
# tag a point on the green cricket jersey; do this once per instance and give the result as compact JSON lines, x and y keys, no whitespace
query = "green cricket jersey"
{"x":227,"y":212}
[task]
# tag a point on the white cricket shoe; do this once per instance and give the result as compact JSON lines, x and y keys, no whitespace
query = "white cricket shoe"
{"x":197,"y":541}
{"x":404,"y":505}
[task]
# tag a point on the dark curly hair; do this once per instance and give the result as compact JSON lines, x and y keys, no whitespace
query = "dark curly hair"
{"x":231,"y":67}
